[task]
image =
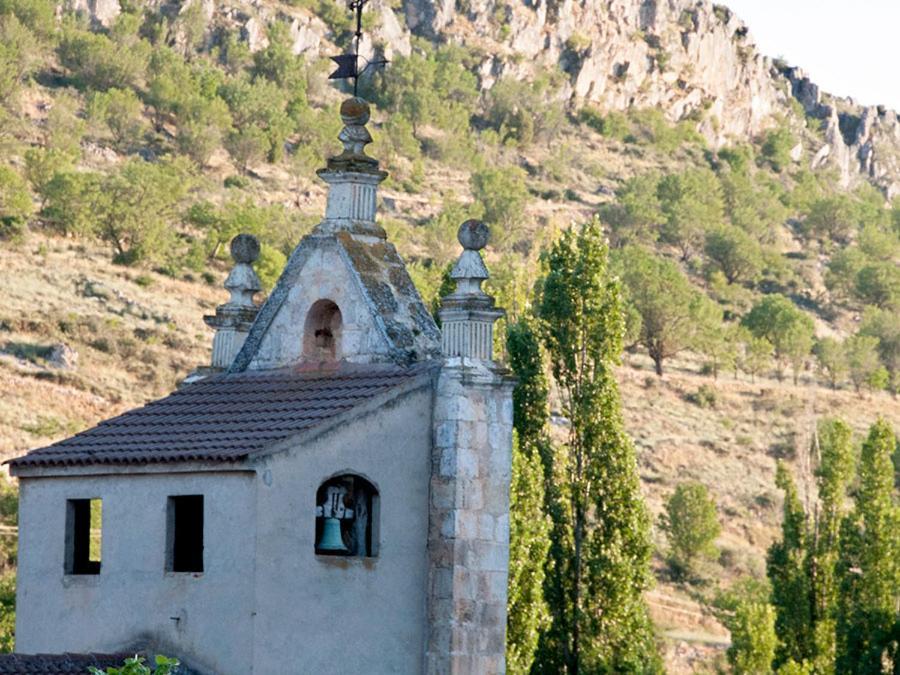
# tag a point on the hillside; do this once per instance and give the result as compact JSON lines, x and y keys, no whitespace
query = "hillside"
{"x":138,"y":139}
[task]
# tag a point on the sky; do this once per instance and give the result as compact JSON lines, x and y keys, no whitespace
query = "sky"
{"x":847,"y":47}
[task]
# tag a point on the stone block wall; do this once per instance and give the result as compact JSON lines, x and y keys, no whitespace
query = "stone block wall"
{"x":468,"y":538}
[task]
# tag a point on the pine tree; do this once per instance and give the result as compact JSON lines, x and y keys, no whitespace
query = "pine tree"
{"x":869,"y":567}
{"x":527,"y":614}
{"x":786,"y":568}
{"x":602,"y":528}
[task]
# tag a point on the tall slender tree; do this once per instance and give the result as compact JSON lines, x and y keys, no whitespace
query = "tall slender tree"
{"x":600,"y":621}
{"x":833,"y":476}
{"x":786,"y":566}
{"x":869,"y":566}
{"x":528,"y":615}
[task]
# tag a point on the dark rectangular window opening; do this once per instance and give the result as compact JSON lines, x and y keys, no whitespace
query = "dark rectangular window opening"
{"x":84,"y":538}
{"x":185,"y":534}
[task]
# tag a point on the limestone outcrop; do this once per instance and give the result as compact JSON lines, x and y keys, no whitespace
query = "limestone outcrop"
{"x":689,"y":58}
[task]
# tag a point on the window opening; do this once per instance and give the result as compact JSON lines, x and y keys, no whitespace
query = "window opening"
{"x":185,"y":534}
{"x":322,"y":331}
{"x":347,"y":517}
{"x":84,"y":536}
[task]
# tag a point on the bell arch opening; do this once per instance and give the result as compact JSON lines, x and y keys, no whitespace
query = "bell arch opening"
{"x":322,"y":331}
{"x":347,"y":510}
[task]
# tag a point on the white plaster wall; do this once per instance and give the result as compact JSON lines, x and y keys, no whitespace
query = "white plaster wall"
{"x":133,"y":598}
{"x":321,"y":614}
{"x":324,"y":276}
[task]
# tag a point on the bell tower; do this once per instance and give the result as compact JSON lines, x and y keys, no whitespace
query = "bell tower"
{"x":468,"y":535}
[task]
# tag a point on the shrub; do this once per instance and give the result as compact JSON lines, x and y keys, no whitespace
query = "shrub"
{"x":502,"y":194}
{"x":704,"y":397}
{"x":120,"y":111}
{"x":98,"y":63}
{"x":15,"y":203}
{"x":691,"y":525}
{"x":777,"y":146}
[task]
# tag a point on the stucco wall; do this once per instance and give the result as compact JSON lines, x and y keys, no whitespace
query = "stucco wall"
{"x":319,"y":614}
{"x":133,"y":599}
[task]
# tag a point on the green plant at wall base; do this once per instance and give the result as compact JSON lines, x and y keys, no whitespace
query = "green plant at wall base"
{"x":137,"y":665}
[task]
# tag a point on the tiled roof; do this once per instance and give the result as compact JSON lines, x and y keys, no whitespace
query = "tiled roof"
{"x":58,"y":663}
{"x":224,"y":418}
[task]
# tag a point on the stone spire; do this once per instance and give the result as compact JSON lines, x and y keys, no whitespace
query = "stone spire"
{"x":468,"y":314}
{"x":232,"y":320}
{"x":352,"y":177}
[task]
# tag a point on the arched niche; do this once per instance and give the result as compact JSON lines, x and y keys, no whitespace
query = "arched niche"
{"x":347,"y":514}
{"x":322,"y":332}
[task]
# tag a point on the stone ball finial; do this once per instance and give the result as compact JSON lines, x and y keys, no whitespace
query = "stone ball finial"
{"x":355,"y":111}
{"x":245,"y":248}
{"x":473,"y":235}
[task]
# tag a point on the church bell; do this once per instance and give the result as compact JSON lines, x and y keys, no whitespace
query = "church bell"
{"x":331,"y":536}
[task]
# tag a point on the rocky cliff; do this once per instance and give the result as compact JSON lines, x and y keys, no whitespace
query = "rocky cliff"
{"x":690,"y":58}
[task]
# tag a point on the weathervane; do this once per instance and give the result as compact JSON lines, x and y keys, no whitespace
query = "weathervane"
{"x":348,"y":64}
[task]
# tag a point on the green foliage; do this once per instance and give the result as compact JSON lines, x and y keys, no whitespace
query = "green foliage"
{"x":777,"y":146}
{"x":868,"y":569}
{"x":120,"y":111}
{"x":136,"y":665}
{"x":603,"y":544}
{"x":885,"y":327}
{"x":734,"y":253}
{"x":786,"y":567}
{"x":833,"y":476}
{"x":97,"y":62}
{"x":15,"y":203}
{"x":502,"y":193}
{"x":20,"y":54}
{"x":787,"y":328}
{"x":831,"y":358}
{"x":692,"y":204}
{"x":861,"y":352}
{"x":832,"y":218}
{"x":525,"y":112}
{"x":878,"y":284}
{"x":247,"y":145}
{"x":650,"y":126}
{"x":133,"y":209}
{"x":529,"y":526}
{"x":9,"y":512}
{"x":430,"y":87}
{"x":673,"y":314}
{"x":259,"y":104}
{"x":753,"y":638}
{"x":636,"y":217}
{"x":691,"y":526}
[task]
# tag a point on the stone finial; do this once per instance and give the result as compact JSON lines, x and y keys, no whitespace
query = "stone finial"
{"x":352,"y":177}
{"x":468,"y":314}
{"x":232,"y":320}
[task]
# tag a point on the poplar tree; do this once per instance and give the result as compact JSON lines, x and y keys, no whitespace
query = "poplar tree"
{"x":600,"y":621}
{"x":802,"y":565}
{"x":833,"y":476}
{"x":527,"y":611}
{"x":869,"y":568}
{"x":786,"y":567}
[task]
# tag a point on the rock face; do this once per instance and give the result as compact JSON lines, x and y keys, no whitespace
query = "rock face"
{"x":689,"y":58}
{"x":681,"y":56}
